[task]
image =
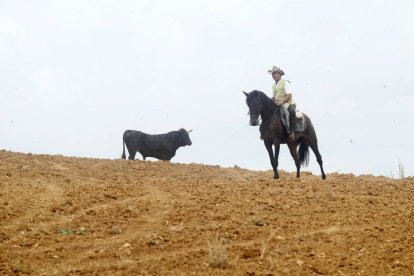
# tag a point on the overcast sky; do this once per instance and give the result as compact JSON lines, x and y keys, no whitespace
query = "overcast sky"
{"x":75,"y":74}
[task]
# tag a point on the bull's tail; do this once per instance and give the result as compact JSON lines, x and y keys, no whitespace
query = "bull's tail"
{"x":303,"y":154}
{"x":123,"y":145}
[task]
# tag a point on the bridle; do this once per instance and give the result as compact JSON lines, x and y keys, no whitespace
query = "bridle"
{"x":259,"y":118}
{"x":260,"y":122}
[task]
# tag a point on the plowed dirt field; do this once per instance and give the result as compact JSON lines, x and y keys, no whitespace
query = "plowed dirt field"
{"x":79,"y":216}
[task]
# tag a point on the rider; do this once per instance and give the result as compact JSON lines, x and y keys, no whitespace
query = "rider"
{"x":282,"y":96}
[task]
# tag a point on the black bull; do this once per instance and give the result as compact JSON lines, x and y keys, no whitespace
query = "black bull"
{"x":160,"y":146}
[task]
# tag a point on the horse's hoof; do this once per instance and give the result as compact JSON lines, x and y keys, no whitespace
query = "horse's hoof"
{"x":276,"y":176}
{"x":323,"y":176}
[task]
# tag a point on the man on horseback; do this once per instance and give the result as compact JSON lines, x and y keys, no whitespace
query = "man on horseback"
{"x":282,"y":96}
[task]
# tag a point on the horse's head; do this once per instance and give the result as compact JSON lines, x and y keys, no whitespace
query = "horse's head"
{"x":255,"y":105}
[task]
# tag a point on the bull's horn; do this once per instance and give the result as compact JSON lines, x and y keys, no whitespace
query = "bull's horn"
{"x":189,"y":131}
{"x":245,"y":93}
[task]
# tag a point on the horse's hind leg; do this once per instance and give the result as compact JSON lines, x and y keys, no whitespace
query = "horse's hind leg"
{"x":294,"y":153}
{"x":314,"y":147}
{"x":277,"y":149}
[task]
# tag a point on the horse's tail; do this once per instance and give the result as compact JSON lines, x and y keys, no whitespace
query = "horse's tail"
{"x":123,"y":144}
{"x":303,"y":154}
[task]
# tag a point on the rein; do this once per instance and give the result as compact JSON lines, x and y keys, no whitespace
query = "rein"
{"x":266,"y":103}
{"x":270,"y":117}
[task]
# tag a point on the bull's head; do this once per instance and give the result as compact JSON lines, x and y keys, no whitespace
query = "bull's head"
{"x":184,"y":137}
{"x":255,"y":106}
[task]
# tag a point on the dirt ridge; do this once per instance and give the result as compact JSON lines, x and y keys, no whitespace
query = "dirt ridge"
{"x":71,"y":216}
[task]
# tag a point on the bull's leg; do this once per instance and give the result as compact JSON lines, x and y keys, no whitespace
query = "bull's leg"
{"x":294,"y":153}
{"x":268,"y":146}
{"x":143,"y":156}
{"x":132,"y":155}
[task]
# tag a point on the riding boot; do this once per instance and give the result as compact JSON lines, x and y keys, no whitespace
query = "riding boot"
{"x":292,"y":113}
{"x":291,"y":133}
{"x":288,"y":128}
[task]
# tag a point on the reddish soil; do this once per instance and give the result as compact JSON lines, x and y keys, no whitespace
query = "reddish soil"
{"x":71,"y":216}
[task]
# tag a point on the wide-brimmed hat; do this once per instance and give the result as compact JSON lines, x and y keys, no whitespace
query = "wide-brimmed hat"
{"x":276,"y":69}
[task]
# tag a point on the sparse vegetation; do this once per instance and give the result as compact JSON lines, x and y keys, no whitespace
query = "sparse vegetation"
{"x":64,"y":231}
{"x":265,"y":244}
{"x":80,"y":231}
{"x":401,"y":172}
{"x":18,"y":267}
{"x":68,"y":231}
{"x":301,"y":236}
{"x":218,"y":253}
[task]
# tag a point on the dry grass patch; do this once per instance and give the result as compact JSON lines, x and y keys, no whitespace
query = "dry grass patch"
{"x":401,"y":171}
{"x":265,"y":244}
{"x":218,"y":253}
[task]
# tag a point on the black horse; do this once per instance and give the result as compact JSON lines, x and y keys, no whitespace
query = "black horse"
{"x":273,"y":132}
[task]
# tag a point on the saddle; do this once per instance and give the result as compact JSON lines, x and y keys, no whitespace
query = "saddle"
{"x":299,"y":124}
{"x":297,"y":120}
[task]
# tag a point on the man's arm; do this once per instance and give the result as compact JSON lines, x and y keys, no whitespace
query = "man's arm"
{"x":285,"y":99}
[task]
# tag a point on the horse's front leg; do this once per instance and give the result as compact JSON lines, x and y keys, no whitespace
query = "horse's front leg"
{"x":268,"y":145}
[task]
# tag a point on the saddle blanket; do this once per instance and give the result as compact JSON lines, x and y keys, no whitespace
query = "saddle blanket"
{"x":300,"y":122}
{"x":299,"y":125}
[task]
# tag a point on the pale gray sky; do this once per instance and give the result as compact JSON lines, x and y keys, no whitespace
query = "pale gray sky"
{"x":75,"y":74}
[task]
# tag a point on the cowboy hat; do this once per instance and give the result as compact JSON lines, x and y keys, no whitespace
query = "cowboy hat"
{"x":276,"y":69}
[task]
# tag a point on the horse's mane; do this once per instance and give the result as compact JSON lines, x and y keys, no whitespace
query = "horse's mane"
{"x":266,"y":101}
